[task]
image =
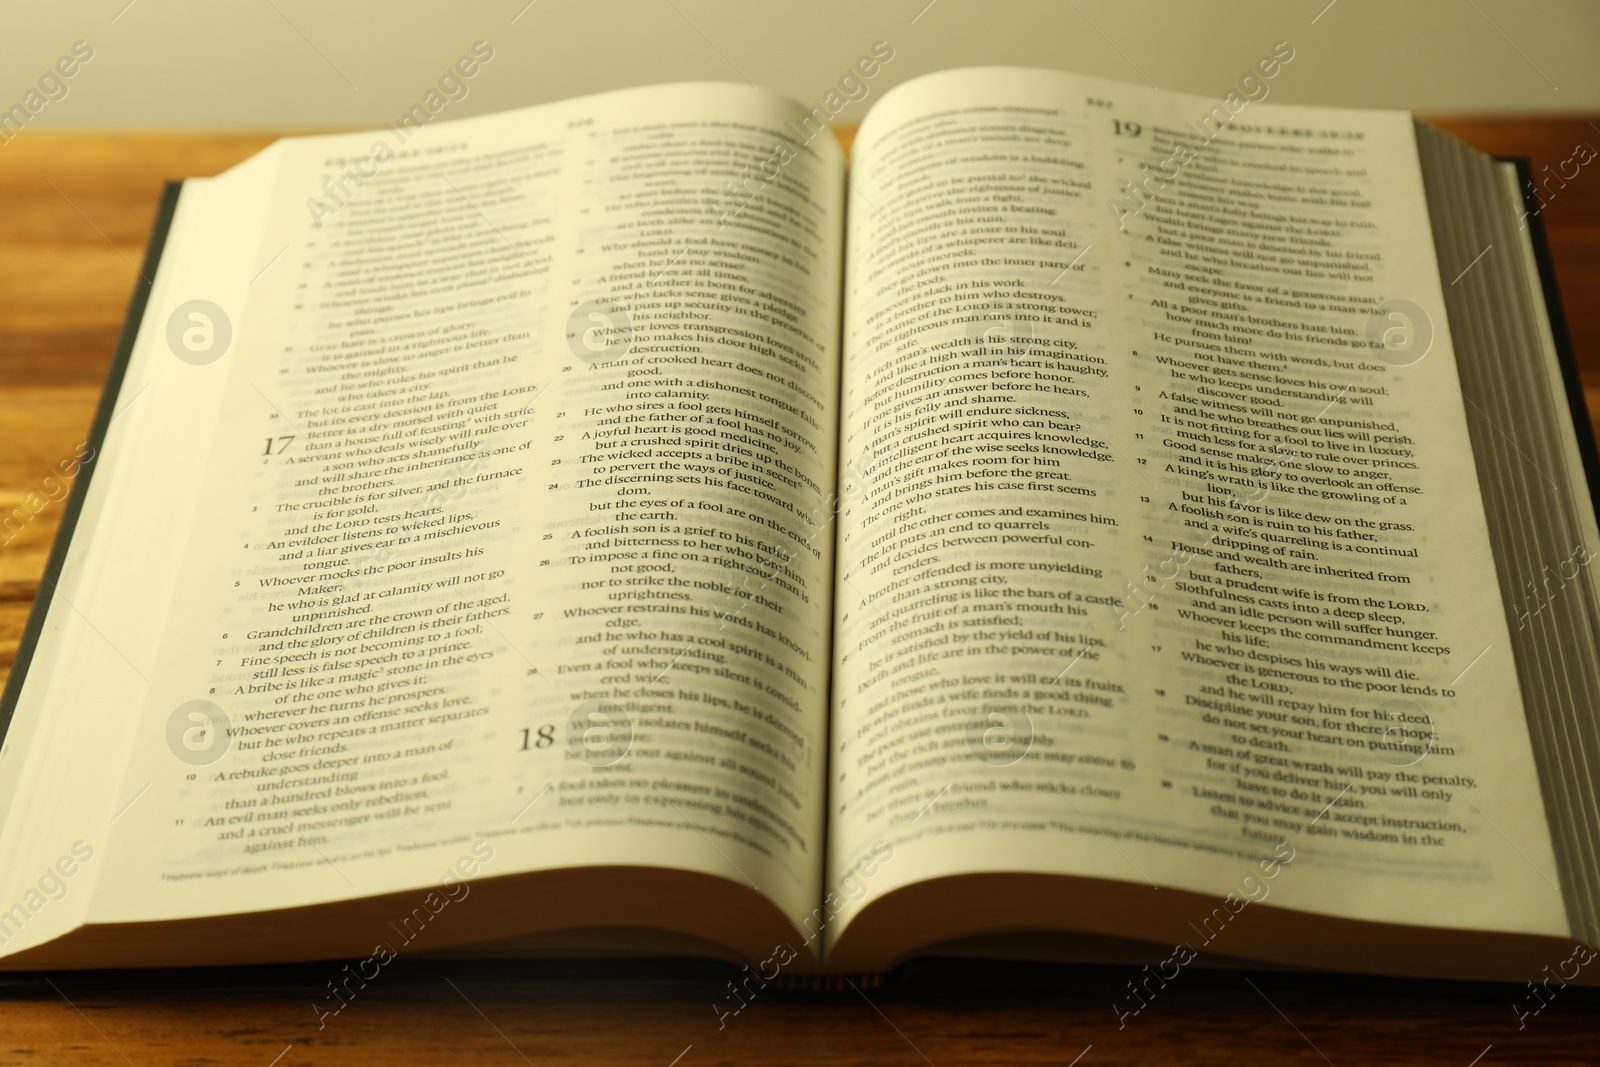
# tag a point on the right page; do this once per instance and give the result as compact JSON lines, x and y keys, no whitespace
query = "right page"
{"x":1163,"y":559}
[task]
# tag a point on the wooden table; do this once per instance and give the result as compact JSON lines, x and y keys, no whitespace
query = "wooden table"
{"x":77,"y":210}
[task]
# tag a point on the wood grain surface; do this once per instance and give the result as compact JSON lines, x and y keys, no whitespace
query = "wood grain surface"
{"x":78,"y":209}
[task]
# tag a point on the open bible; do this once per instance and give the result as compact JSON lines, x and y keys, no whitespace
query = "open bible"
{"x":1091,"y":519}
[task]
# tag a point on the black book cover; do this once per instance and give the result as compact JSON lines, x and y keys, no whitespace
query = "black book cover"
{"x":28,"y":643}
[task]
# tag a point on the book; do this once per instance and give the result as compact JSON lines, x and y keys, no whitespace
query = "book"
{"x":1090,"y":520}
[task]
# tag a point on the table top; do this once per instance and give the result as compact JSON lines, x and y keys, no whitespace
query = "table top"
{"x":79,"y":208}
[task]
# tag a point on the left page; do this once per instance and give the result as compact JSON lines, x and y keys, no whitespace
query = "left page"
{"x":509,"y":537}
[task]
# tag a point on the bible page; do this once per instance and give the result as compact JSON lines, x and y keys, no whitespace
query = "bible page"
{"x":1163,"y":549}
{"x":509,"y":541}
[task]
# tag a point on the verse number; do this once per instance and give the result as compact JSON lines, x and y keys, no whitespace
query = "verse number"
{"x":543,"y":737}
{"x":1126,"y":129}
{"x":276,"y":445}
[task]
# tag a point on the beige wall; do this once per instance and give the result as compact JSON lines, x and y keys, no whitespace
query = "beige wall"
{"x":307,"y":63}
